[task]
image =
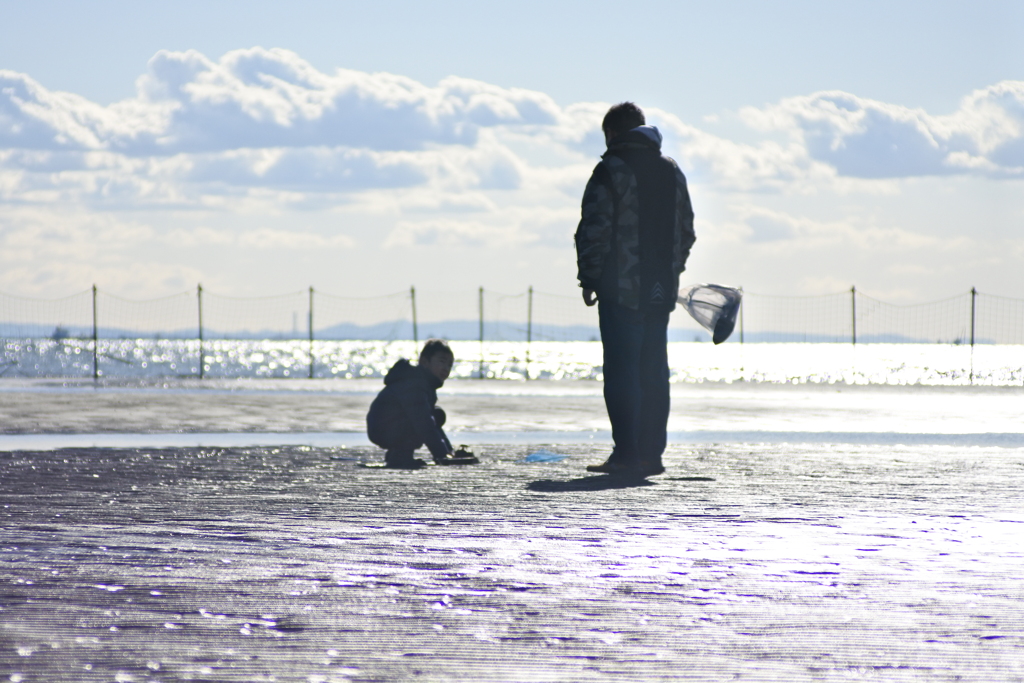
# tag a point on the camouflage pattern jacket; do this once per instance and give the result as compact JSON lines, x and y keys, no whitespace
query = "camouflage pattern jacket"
{"x":611,"y":216}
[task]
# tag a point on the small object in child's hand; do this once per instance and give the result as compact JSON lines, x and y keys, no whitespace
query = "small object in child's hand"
{"x":463,"y":456}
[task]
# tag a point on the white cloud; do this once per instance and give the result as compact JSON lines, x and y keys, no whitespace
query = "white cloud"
{"x":512,"y":227}
{"x":869,"y":139}
{"x":260,"y":238}
{"x":267,"y":238}
{"x":266,"y":119}
{"x":446,"y":233}
{"x":263,"y":98}
{"x":308,"y":169}
{"x":45,"y":250}
{"x":259,"y":119}
{"x":788,"y":252}
{"x":782,"y":230}
{"x":235,"y":160}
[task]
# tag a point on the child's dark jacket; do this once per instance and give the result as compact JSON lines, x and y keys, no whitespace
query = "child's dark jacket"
{"x":407,"y":400}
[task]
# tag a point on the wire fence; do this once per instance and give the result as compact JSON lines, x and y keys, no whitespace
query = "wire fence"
{"x":197,"y":326}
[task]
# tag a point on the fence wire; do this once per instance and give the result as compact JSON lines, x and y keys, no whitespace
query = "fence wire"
{"x":558,"y":317}
{"x":999,"y":320}
{"x":941,"y":322}
{"x":506,"y":317}
{"x":201,"y":333}
{"x":448,"y":314}
{"x":270,"y":317}
{"x":385,"y":318}
{"x":826,"y":318}
{"x":172,"y":317}
{"x":27,"y":318}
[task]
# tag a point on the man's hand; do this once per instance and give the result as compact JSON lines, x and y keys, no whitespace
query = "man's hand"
{"x":589,"y":297}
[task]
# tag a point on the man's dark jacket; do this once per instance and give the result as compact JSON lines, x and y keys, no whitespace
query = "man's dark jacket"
{"x":406,"y":406}
{"x":636,"y":228}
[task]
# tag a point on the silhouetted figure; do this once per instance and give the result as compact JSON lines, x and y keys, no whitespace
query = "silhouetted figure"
{"x":631,"y":245}
{"x":405,"y":416}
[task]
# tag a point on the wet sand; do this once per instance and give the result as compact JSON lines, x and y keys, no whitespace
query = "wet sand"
{"x":747,"y":561}
{"x":763,"y":563}
{"x":475,"y":406}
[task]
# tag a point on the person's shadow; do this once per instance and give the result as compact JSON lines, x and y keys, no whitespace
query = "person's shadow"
{"x":600,"y":482}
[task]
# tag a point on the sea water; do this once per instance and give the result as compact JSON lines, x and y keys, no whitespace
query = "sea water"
{"x":892,"y":364}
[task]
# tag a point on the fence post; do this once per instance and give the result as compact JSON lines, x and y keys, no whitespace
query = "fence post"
{"x":480,"y":373}
{"x":853,"y":309}
{"x":974,"y":296}
{"x":415,"y":332}
{"x":199,"y":303}
{"x":312,"y":360}
{"x":529,"y":327}
{"x":95,"y":339}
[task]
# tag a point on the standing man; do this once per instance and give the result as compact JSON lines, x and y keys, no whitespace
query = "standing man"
{"x":631,"y":245}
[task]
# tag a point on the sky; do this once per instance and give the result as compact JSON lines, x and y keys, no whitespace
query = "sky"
{"x":360,"y":148}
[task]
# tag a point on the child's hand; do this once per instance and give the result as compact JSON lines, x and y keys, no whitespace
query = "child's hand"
{"x":462,"y":456}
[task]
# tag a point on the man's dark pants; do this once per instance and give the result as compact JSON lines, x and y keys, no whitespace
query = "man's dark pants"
{"x":636,"y":388}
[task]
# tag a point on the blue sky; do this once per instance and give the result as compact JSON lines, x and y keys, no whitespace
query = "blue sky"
{"x":361,"y":148}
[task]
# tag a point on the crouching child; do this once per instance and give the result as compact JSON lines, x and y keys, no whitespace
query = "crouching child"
{"x":405,"y":416}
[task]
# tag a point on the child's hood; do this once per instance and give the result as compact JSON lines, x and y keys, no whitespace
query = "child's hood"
{"x":404,"y":371}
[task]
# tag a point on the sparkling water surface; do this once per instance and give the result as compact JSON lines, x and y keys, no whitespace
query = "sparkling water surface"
{"x":927,"y":364}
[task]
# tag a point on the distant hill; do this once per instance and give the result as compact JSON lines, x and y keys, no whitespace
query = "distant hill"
{"x":455,"y":330}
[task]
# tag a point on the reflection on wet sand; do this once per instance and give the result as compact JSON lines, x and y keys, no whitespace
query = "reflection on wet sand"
{"x":767,"y":562}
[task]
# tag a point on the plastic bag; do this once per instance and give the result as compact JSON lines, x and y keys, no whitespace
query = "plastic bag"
{"x":715,"y":307}
{"x":544,"y":455}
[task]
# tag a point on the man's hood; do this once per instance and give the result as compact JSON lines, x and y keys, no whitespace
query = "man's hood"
{"x":644,"y":136}
{"x":650,"y":132}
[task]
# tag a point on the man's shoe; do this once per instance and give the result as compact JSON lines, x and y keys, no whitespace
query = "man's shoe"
{"x":651,"y":468}
{"x":610,"y":466}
